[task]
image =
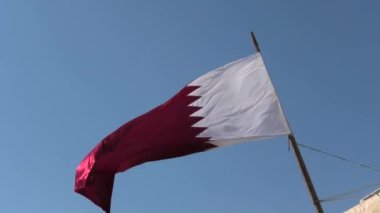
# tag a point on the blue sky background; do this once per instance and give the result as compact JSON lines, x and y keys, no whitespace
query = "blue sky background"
{"x":71,"y":72}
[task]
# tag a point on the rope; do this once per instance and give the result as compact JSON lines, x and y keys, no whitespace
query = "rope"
{"x":340,"y":158}
{"x":349,"y":194}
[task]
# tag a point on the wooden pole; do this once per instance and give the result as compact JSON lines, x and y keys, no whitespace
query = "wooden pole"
{"x":297,"y":153}
{"x":255,"y":42}
{"x":305,"y":173}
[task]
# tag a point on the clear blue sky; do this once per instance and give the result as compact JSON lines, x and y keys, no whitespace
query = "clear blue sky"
{"x":73,"y":71}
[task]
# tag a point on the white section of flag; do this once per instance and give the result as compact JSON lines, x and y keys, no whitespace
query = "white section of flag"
{"x":239,"y":103}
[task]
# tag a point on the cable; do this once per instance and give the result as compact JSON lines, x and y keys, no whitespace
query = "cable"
{"x":340,"y":158}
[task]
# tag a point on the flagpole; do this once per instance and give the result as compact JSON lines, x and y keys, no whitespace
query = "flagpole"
{"x":255,"y":43}
{"x":305,"y":173}
{"x":297,"y":153}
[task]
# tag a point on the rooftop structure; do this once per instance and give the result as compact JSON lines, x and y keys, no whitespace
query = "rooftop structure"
{"x":368,"y":204}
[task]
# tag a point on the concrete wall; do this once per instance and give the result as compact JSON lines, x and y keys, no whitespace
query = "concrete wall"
{"x":369,"y":204}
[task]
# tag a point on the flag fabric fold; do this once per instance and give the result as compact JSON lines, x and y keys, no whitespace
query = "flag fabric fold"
{"x":229,"y":105}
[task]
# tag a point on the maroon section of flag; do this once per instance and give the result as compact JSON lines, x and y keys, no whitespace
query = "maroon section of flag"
{"x":164,"y":132}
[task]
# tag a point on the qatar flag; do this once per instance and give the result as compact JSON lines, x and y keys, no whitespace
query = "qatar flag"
{"x":229,"y":105}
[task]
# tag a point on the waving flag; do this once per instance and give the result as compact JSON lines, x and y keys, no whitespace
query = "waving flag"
{"x":232,"y":104}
